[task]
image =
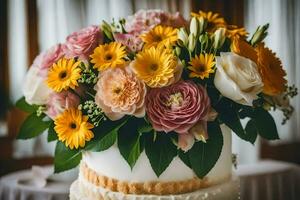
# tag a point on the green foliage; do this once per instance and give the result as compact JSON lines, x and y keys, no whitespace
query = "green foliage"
{"x":65,"y":158}
{"x":203,"y":156}
{"x":107,"y":138}
{"x":23,"y":105}
{"x":129,"y":141}
{"x":33,"y":126}
{"x":160,"y":152}
{"x":265,"y":124}
{"x":228,"y":114}
{"x":184,"y":157}
{"x":251,"y":131}
{"x":52,"y":135}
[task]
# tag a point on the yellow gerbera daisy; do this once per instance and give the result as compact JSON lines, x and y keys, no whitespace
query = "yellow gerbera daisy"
{"x":201,"y":66}
{"x":233,"y":31}
{"x":157,"y":67}
{"x":63,"y":75}
{"x":73,"y":128}
{"x":160,"y":35}
{"x":108,"y":55}
{"x":214,"y":21}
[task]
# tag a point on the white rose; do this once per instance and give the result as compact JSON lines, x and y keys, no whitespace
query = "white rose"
{"x":34,"y":88}
{"x":237,"y":78}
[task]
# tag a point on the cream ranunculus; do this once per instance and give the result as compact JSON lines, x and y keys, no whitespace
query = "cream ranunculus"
{"x":237,"y":78}
{"x":34,"y":88}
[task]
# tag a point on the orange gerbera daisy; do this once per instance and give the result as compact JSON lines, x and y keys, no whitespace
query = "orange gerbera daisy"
{"x":241,"y":47}
{"x":271,"y":71}
{"x":214,"y":21}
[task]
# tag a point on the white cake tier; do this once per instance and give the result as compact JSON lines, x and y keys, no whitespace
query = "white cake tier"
{"x":83,"y":190}
{"x":111,"y":164}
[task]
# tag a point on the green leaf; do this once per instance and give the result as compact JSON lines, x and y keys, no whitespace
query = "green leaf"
{"x":65,"y":158}
{"x":23,"y":105}
{"x":228,"y":114}
{"x":52,"y":135}
{"x":32,"y":126}
{"x":160,"y":152}
{"x":203,"y":156}
{"x":232,"y":120}
{"x":265,"y":124}
{"x":145,"y":128}
{"x":184,"y":157}
{"x":104,"y":142}
{"x":129,"y":142}
{"x":251,"y":131}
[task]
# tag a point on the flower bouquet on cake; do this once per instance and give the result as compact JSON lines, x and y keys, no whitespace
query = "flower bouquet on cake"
{"x":146,"y":104}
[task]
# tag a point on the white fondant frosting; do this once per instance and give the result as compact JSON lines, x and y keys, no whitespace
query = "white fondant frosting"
{"x":110,"y":163}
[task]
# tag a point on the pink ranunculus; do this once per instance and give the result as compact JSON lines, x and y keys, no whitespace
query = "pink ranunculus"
{"x":144,"y":20}
{"x":46,"y":59}
{"x":120,"y":93}
{"x":58,"y":102}
{"x":177,"y":107}
{"x":82,"y":43}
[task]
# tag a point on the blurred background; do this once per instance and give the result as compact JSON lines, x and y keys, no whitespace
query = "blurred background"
{"x":31,"y":26}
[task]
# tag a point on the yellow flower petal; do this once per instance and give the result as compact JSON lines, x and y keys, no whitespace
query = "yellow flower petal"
{"x":155,"y":66}
{"x":63,"y":75}
{"x":201,"y":66}
{"x":160,"y":35}
{"x":214,"y":21}
{"x":73,"y":129}
{"x":108,"y":55}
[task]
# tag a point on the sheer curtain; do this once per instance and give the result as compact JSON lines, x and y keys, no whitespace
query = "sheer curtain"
{"x":284,"y":39}
{"x":284,"y":32}
{"x":56,"y":20}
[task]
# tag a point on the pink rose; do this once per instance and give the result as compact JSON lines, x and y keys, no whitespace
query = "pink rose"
{"x":146,"y":20}
{"x":58,"y":102}
{"x":177,"y":107}
{"x":120,"y":93}
{"x":82,"y":43}
{"x":46,"y":59}
{"x":132,"y":41}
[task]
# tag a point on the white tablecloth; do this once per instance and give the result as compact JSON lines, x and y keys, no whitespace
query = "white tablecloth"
{"x":266,"y":180}
{"x":269,"y":180}
{"x":17,"y":186}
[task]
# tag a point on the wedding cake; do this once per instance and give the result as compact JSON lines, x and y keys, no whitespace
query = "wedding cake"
{"x":106,"y":175}
{"x":146,"y":105}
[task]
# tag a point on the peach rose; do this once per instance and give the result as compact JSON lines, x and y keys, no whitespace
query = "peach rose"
{"x":120,"y":93}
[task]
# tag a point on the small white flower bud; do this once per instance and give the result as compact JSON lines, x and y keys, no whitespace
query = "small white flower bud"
{"x":194,"y":27}
{"x":219,"y":38}
{"x":202,"y":24}
{"x":182,"y":36}
{"x":192,"y":42}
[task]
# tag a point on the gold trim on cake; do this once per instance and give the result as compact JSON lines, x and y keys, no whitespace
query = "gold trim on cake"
{"x":154,"y":188}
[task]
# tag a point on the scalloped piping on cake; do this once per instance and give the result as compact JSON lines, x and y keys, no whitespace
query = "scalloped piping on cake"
{"x":81,"y":189}
{"x":154,"y":188}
